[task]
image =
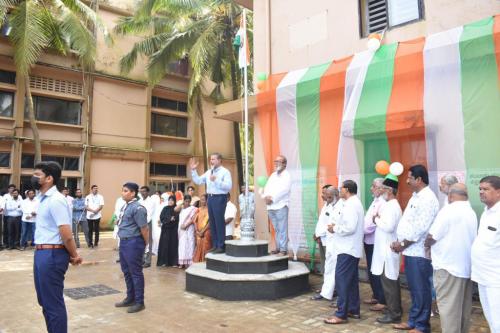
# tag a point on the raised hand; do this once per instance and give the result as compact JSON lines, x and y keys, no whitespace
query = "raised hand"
{"x":193,"y":163}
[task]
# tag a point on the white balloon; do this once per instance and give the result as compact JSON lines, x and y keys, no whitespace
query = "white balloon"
{"x":396,"y":168}
{"x":373,"y":44}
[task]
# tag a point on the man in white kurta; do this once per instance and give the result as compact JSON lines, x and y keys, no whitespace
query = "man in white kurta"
{"x":320,"y":231}
{"x":385,"y":263}
{"x":486,"y":252}
{"x":450,"y":238}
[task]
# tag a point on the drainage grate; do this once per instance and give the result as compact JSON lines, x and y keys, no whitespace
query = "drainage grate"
{"x":90,"y":291}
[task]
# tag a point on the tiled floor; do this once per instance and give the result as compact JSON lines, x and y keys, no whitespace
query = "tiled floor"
{"x":168,"y":307}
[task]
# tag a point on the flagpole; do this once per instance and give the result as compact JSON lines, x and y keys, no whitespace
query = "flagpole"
{"x":245,"y":89}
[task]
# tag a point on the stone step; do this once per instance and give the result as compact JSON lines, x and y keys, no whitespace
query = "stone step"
{"x":236,"y":287}
{"x":240,"y":248}
{"x":246,"y":265}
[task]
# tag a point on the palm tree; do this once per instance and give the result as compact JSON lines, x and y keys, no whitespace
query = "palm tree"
{"x":61,"y":26}
{"x":203,"y":31}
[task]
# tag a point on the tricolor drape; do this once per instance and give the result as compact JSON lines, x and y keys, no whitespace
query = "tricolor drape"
{"x":432,"y":101}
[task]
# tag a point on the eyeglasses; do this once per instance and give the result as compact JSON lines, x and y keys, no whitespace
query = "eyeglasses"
{"x":278,"y":161}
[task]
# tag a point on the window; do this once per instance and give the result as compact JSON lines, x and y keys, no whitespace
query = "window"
{"x":377,"y":15}
{"x":160,"y":169}
{"x":4,"y":159}
{"x":164,"y":103}
{"x":4,"y":183}
{"x":167,"y":187}
{"x":67,"y":163}
{"x":6,"y":104}
{"x":179,"y":67}
{"x":7,"y":77}
{"x":56,"y":110}
{"x":168,"y":125}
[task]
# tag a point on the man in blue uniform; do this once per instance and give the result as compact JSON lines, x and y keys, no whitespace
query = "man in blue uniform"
{"x":219,"y":183}
{"x":55,"y":247}
{"x":134,"y":236}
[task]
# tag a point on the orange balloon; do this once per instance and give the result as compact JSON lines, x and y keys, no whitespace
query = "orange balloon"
{"x":382,"y":167}
{"x":261,"y":85}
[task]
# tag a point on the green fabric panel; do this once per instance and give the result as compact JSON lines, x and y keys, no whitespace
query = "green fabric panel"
{"x":370,"y":122}
{"x":480,"y":105}
{"x":307,"y":101}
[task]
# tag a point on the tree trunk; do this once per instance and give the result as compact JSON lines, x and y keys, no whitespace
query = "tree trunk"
{"x":199,"y":110}
{"x":31,"y":116}
{"x":236,"y":126}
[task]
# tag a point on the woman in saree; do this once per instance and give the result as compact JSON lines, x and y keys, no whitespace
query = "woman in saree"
{"x":186,"y":230}
{"x":169,"y":243}
{"x":203,"y":238}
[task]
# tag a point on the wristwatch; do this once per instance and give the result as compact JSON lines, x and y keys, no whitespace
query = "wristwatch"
{"x":402,"y":244}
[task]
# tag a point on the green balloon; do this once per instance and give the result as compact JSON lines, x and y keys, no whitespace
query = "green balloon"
{"x":262,"y":181}
{"x":261,"y":76}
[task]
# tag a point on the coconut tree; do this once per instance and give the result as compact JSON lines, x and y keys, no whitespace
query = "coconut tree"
{"x":203,"y":31}
{"x":65,"y":27}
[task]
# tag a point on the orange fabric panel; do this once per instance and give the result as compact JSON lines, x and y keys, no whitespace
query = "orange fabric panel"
{"x":405,"y":126}
{"x":330,"y":116}
{"x":496,"y":39}
{"x":268,"y":119}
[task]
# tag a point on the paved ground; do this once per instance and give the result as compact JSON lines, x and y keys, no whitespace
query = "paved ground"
{"x":169,"y":307}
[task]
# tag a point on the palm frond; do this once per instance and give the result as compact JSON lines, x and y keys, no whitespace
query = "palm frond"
{"x":5,"y":5}
{"x":55,"y":32}
{"x":146,"y":47}
{"x":29,"y":35}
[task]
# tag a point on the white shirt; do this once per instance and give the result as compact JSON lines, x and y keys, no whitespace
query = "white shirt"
{"x":486,"y":249}
{"x":118,"y":206}
{"x":369,"y":228}
{"x":230,"y":212}
{"x":348,"y":232}
{"x":416,"y":221}
{"x":323,"y":222}
{"x":384,"y":260}
{"x":454,"y":230}
{"x":13,"y":207}
{"x":2,"y":204}
{"x":94,"y":202}
{"x":334,"y":219}
{"x":69,"y":200}
{"x":29,"y":206}
{"x":150,"y":204}
{"x":278,"y":188}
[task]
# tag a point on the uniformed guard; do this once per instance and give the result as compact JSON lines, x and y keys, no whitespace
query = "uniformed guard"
{"x":55,"y":247}
{"x":134,"y":235}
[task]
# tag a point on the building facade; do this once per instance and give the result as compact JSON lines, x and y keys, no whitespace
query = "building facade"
{"x":104,"y":128}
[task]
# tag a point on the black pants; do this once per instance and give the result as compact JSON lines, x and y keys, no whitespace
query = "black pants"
{"x":13,"y":231}
{"x":347,"y":285}
{"x":216,"y":208}
{"x":94,"y":227}
{"x":392,"y":293}
{"x":4,"y":235}
{"x":375,"y":284}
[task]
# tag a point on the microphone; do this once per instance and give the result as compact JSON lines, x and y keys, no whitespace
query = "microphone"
{"x":212,"y":171}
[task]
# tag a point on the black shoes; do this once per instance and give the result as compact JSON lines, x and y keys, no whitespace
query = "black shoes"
{"x":219,"y":251}
{"x":146,"y":265}
{"x":126,"y":302}
{"x":387,"y":319}
{"x":212,"y":250}
{"x":136,"y":308}
{"x":317,"y":297}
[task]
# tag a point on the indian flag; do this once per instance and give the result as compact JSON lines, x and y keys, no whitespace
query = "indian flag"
{"x":433,"y":101}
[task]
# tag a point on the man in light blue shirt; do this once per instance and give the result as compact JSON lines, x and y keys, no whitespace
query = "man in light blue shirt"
{"x":219,"y":183}
{"x":55,"y":247}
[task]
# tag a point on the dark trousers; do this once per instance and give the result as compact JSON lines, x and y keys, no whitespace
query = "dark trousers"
{"x":131,"y":253}
{"x":216,"y":209}
{"x":3,"y":231}
{"x":94,"y":227}
{"x":147,"y":256}
{"x":49,"y":269}
{"x":322,"y":257}
{"x":347,"y":285}
{"x":392,"y":293}
{"x":13,"y":231}
{"x":27,"y":233}
{"x":375,"y":284}
{"x":418,"y":272}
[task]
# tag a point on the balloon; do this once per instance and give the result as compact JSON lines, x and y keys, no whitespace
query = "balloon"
{"x":262,"y":181}
{"x":261,"y":85}
{"x":261,"y":76}
{"x":396,"y":168}
{"x":373,"y":44}
{"x":382,"y":167}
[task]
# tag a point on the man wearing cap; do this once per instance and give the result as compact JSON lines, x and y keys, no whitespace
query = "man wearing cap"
{"x":134,"y":236}
{"x":377,"y":300}
{"x":385,"y":263}
{"x":55,"y":247}
{"x":219,"y":183}
{"x":412,"y":231}
{"x":450,"y":238}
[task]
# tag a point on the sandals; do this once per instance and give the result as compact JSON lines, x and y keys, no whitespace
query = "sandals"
{"x":402,"y":327}
{"x":335,"y":321}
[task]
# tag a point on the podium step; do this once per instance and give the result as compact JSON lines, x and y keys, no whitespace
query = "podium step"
{"x":235,"y":287}
{"x":239,"y":248}
{"x":246,"y":265}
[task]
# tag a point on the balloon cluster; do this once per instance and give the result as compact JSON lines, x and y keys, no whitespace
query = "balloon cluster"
{"x":383,"y":168}
{"x":261,"y":80}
